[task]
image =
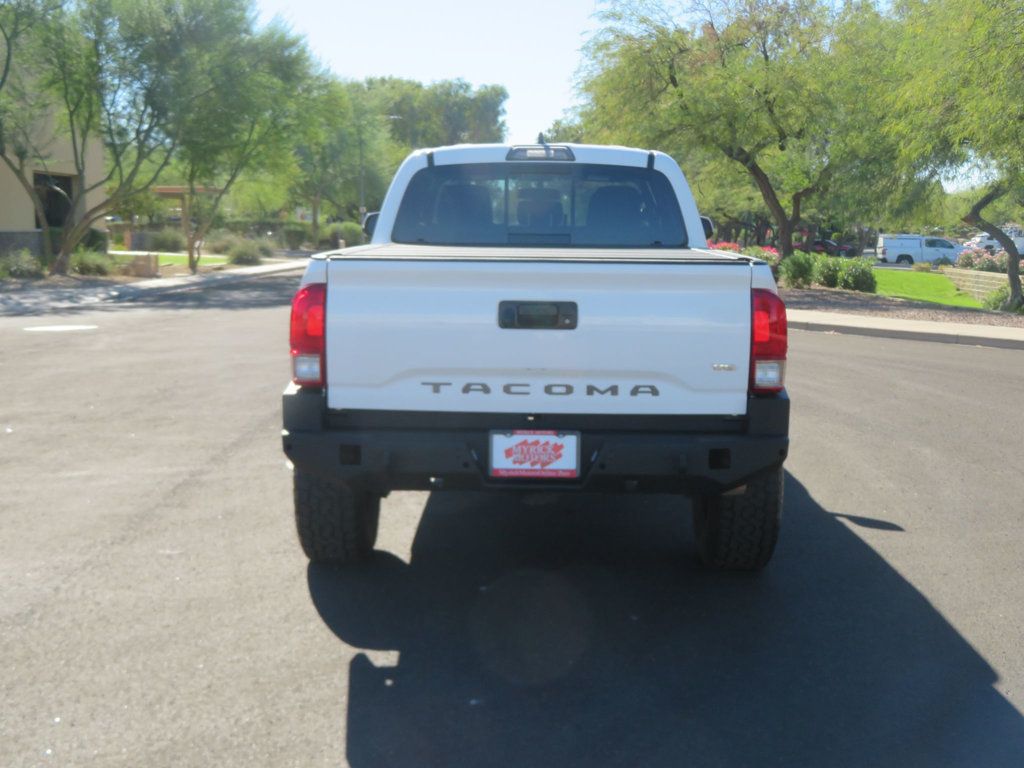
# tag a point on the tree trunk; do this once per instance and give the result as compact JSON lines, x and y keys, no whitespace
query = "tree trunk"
{"x":314,"y":228}
{"x":63,"y":261}
{"x":193,"y":252}
{"x":974,"y":217}
{"x":862,"y":240}
{"x":37,"y":205}
{"x":783,"y":223}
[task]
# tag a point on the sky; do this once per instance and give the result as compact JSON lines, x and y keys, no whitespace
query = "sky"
{"x":529,"y":46}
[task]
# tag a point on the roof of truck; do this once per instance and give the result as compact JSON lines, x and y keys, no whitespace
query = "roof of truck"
{"x":498,"y":153}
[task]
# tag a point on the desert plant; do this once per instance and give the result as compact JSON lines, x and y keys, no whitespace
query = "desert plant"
{"x":168,"y":241}
{"x":21,"y":264}
{"x":85,"y":262}
{"x":245,"y":252}
{"x":798,"y":270}
{"x":857,"y":275}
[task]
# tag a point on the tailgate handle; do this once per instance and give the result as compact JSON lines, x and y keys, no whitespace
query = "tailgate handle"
{"x":538,"y":315}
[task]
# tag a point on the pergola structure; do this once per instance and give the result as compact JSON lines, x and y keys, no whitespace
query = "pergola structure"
{"x":181,"y":194}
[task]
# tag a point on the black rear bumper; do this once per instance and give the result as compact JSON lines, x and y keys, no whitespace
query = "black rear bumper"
{"x":385,"y":451}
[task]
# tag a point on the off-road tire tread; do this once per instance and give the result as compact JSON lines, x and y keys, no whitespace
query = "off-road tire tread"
{"x":335,"y":524}
{"x":739,"y":533}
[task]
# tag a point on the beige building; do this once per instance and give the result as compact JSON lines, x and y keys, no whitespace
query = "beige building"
{"x":57,"y":181}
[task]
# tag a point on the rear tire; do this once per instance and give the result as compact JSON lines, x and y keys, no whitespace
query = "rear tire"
{"x":908,"y":260}
{"x":335,"y":524}
{"x":738,"y":533}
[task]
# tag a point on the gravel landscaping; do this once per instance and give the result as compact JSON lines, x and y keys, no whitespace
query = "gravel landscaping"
{"x":850,"y":302}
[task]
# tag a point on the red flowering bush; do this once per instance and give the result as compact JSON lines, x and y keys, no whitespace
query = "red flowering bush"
{"x":983,"y":261}
{"x":725,"y":245}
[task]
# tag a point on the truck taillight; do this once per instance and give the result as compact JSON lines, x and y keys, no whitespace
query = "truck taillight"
{"x":307,"y":335}
{"x":768,"y":342}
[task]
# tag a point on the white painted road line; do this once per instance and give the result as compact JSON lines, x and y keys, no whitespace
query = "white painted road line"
{"x":61,"y":328}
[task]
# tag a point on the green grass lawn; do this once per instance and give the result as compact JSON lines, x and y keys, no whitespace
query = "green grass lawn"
{"x":182,"y":258}
{"x":922,"y":286}
{"x":167,"y":259}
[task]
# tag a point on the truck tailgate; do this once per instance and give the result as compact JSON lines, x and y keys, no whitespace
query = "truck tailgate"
{"x":658,"y":337}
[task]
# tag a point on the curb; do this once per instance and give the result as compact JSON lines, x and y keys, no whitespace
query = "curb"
{"x":942,"y":337}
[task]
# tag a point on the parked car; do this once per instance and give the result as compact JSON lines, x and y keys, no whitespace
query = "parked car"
{"x":831,"y":247}
{"x":908,"y":249}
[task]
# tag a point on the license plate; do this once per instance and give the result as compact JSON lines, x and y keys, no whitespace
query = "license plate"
{"x":535,"y":453}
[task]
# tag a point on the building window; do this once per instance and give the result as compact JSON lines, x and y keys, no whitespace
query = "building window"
{"x":55,"y":192}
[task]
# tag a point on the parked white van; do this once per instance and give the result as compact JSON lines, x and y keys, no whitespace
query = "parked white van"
{"x":908,"y":249}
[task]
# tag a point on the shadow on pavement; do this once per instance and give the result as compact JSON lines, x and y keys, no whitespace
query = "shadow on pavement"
{"x":254,"y":293}
{"x":581,"y":632}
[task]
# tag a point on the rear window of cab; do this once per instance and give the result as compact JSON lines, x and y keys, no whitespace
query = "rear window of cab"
{"x":540,"y":204}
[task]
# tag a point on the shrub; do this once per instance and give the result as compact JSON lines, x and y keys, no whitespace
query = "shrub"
{"x":294,"y":235}
{"x":857,"y":275}
{"x":91,"y":263}
{"x":351,"y":233}
{"x":798,"y":270}
{"x":96,"y":240}
{"x":827,"y":270}
{"x":969,"y":257}
{"x":766,"y":253}
{"x":922,"y":266}
{"x":998,"y":298}
{"x":980,"y":259}
{"x":21,"y":264}
{"x":245,"y":252}
{"x":219,"y":242}
{"x":264,"y":247}
{"x":168,"y":241}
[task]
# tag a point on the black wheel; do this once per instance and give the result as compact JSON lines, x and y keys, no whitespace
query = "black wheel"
{"x":905,"y":260}
{"x":335,"y":523}
{"x":738,"y":533}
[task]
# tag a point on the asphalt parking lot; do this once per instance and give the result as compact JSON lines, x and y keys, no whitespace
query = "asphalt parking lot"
{"x":155,"y":608}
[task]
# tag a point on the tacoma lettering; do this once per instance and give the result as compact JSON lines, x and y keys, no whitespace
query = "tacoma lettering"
{"x":552,"y":390}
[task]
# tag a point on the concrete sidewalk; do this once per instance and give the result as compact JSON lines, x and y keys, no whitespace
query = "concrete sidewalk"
{"x":187,"y":282}
{"x":26,"y":301}
{"x":915,"y":330}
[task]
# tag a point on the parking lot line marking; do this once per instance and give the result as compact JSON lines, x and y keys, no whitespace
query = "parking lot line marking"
{"x":61,"y":328}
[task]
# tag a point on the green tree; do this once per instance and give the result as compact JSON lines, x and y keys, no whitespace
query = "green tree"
{"x":109,"y":71}
{"x":377,"y":155}
{"x":751,"y":81}
{"x":327,"y":155}
{"x":23,"y":111}
{"x":249,"y":87}
{"x":566,"y":130}
{"x":447,"y":112}
{"x":959,"y":105}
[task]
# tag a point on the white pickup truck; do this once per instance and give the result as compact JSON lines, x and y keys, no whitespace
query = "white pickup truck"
{"x":538,"y":318}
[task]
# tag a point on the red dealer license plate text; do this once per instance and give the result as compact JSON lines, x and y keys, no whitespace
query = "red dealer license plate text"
{"x":535,"y":453}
